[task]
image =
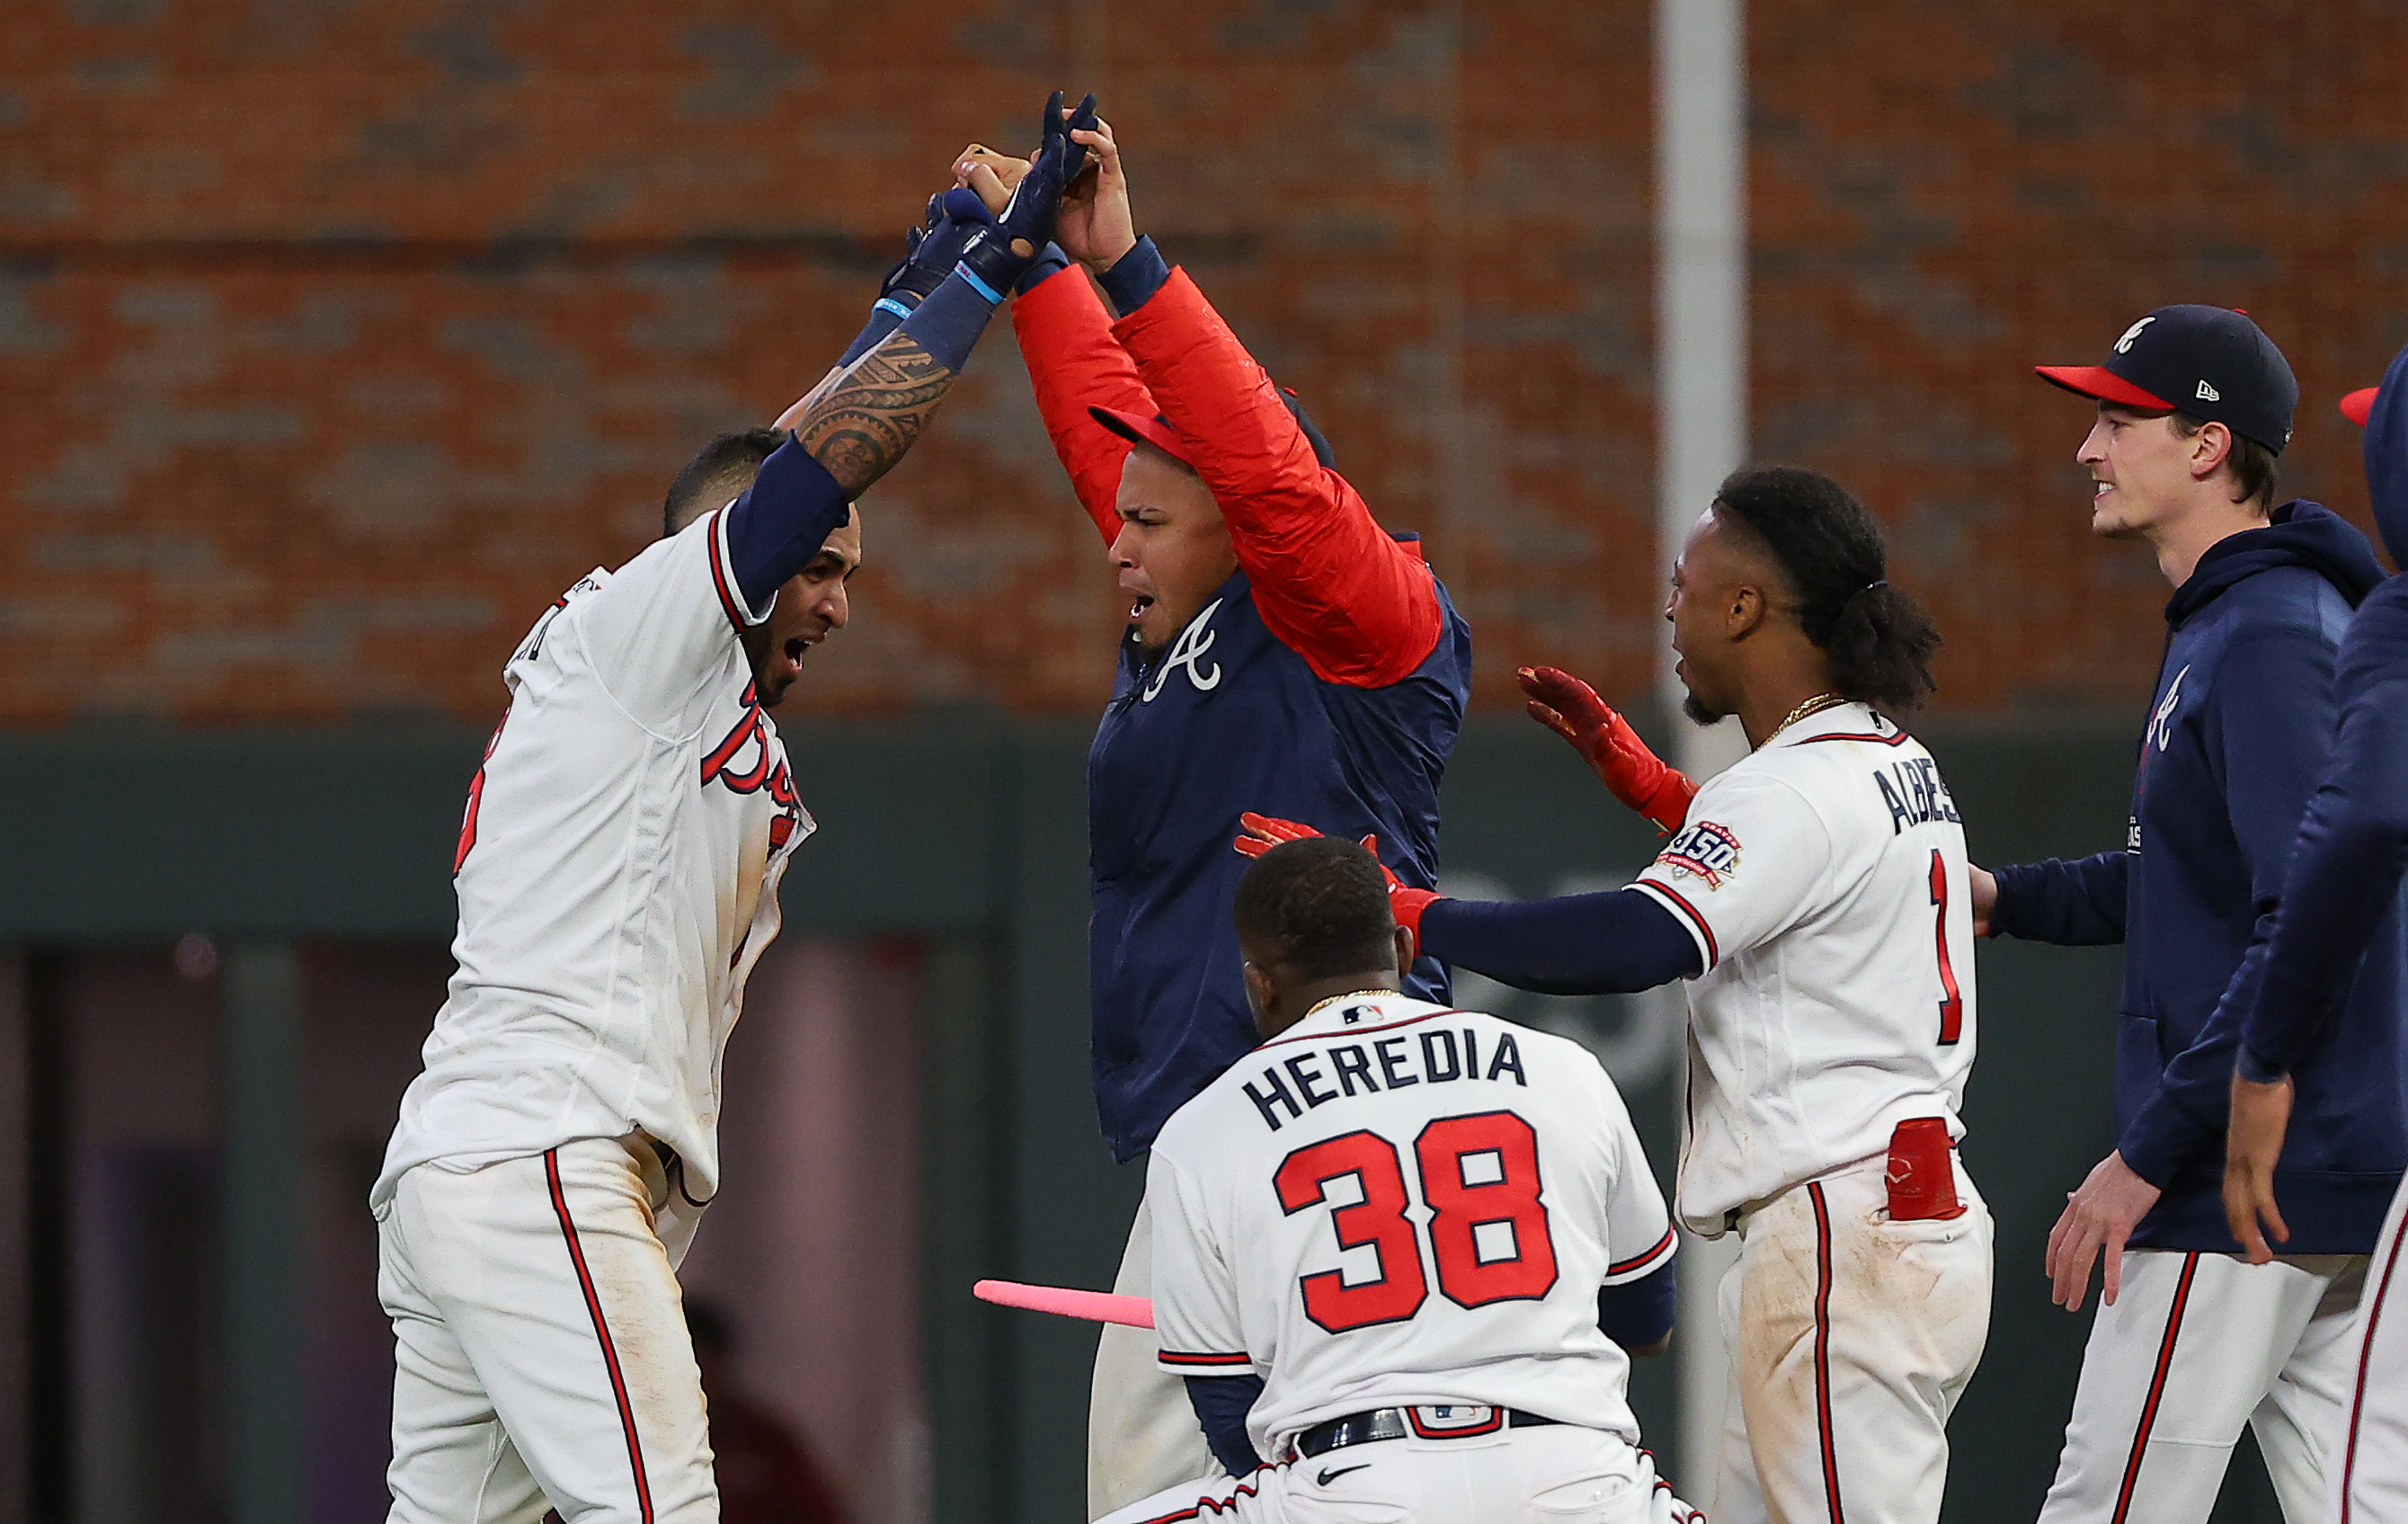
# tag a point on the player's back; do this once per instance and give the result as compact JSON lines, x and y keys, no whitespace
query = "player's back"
{"x":616,"y":872}
{"x":1415,"y":1205}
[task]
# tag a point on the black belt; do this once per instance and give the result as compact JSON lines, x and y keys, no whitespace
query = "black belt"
{"x":1400,"y":1422}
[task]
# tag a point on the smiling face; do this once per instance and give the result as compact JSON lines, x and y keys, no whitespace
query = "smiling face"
{"x":1172,"y":549}
{"x":2144,"y":471}
{"x":812,"y":606}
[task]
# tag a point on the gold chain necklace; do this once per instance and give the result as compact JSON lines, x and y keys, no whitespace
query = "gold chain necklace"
{"x":1815,"y":705}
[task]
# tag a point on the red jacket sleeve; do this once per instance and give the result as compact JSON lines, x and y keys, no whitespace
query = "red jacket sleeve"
{"x":1066,"y":340}
{"x":1360,"y":608}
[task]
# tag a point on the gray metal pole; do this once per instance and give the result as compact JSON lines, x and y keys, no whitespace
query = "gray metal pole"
{"x":261,"y":991}
{"x":1701,"y":437}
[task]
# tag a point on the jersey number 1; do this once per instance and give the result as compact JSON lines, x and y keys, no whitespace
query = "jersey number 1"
{"x":1952,"y":999}
{"x":1470,"y":1273}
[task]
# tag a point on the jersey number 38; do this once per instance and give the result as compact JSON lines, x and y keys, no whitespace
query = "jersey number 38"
{"x":1487,"y":1228}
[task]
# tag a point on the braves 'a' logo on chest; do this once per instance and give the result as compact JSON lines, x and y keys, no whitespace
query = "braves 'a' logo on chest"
{"x":1188,"y":652}
{"x":745,"y":762}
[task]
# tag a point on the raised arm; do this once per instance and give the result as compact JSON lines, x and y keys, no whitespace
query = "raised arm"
{"x":1336,"y":588}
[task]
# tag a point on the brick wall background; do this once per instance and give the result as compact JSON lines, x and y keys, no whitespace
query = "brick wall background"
{"x":337,"y":335}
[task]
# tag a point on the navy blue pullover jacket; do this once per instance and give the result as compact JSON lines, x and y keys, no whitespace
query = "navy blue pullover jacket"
{"x":2328,"y":966}
{"x":2239,"y":727}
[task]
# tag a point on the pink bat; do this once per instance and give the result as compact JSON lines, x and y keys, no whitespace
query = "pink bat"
{"x":1094,"y":1306}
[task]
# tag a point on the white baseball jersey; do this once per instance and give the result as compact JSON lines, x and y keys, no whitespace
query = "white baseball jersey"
{"x":1393,"y":1204}
{"x":618,"y":874}
{"x":1824,"y":880}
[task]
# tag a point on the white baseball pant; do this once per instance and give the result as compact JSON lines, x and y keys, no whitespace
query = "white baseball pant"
{"x":540,"y":1353}
{"x":1143,"y":1435}
{"x":1556,"y":1474}
{"x":2369,"y":1479}
{"x":1851,"y":1337}
{"x":2196,"y":1347}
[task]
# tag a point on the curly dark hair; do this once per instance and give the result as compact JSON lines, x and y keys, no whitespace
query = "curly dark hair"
{"x":1319,"y":906}
{"x":1829,"y":549}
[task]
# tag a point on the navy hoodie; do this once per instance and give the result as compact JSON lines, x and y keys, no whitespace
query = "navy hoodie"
{"x":2321,"y":991}
{"x":2239,"y":727}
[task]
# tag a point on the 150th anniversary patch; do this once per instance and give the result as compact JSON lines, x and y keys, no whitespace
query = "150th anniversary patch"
{"x":1702,"y":849}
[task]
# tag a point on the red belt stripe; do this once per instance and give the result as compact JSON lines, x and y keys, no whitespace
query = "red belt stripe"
{"x":601,"y":1332}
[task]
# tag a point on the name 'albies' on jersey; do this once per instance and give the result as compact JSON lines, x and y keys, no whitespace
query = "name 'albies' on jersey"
{"x":1825,"y":881}
{"x":617,"y":871}
{"x":1393,"y":1204}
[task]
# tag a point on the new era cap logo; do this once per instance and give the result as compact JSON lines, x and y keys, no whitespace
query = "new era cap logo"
{"x":2124,"y":345}
{"x":2209,"y":393}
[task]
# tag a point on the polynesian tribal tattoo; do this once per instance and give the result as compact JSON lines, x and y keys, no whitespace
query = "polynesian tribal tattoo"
{"x":863,"y":423}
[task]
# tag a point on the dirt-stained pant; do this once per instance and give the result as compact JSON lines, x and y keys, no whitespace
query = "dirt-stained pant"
{"x":1851,"y":1337}
{"x":2195,"y":1347}
{"x":540,"y":1351}
{"x":1143,"y":1435}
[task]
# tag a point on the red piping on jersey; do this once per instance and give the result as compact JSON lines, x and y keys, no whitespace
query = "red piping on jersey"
{"x":719,"y":575}
{"x":1714,"y":953}
{"x":601,"y":1332}
{"x":1184,"y":1358}
{"x":1898,"y":740}
{"x":2365,"y":1358}
{"x":1349,"y":1032}
{"x":1823,"y":1351}
{"x":1661,"y":1244}
{"x":2157,"y":1387}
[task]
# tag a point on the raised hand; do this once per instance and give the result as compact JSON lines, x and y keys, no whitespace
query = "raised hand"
{"x":993,"y":175}
{"x":931,"y":253}
{"x":998,"y":255}
{"x":1258,"y":834}
{"x":1638,"y":777}
{"x":1096,"y":226}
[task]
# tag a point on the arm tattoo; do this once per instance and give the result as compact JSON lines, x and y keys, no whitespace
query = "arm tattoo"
{"x":860,"y":426}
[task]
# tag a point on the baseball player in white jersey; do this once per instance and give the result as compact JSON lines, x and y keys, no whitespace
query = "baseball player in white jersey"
{"x":617,"y":871}
{"x":1386,"y":1240}
{"x":1814,"y":896}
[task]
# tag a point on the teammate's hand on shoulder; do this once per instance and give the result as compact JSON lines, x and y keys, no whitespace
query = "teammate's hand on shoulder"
{"x":1257,"y":834}
{"x":2253,"y":1144}
{"x":2097,"y":1220}
{"x":1096,"y":226}
{"x":1637,"y":776}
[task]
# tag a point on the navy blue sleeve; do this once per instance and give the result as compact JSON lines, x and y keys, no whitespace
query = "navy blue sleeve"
{"x":883,"y":315}
{"x":2078,"y":903}
{"x":2271,"y":728}
{"x":1636,"y":1314}
{"x":1609,"y":943}
{"x":780,"y":522}
{"x":1135,"y":277}
{"x":2345,"y":869}
{"x":1222,"y":1403}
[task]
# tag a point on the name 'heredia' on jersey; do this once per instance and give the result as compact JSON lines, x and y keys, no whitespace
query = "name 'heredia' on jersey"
{"x":1391,"y":1062}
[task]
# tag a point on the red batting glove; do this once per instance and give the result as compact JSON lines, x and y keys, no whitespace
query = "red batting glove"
{"x":1638,"y":777}
{"x":1405,"y":903}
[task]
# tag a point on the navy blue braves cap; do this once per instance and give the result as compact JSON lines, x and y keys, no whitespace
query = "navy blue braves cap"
{"x":2209,"y":362}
